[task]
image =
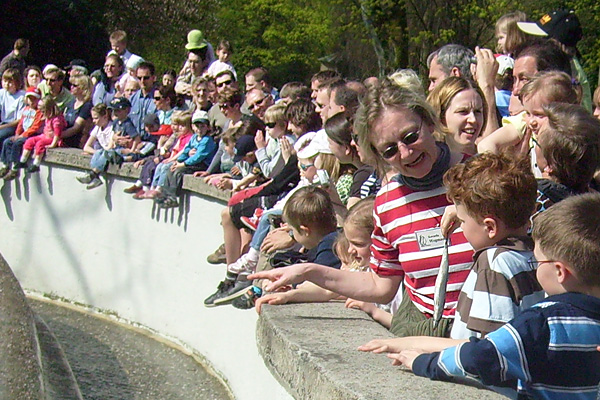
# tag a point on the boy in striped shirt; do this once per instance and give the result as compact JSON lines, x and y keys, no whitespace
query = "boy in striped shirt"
{"x":550,"y":348}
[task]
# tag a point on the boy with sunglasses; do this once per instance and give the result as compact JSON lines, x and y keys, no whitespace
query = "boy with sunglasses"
{"x":268,"y":151}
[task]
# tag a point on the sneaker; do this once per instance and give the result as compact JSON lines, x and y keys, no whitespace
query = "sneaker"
{"x":168,"y":202}
{"x":227,"y":291}
{"x":87,"y":178}
{"x":33,"y":168}
{"x":4,"y":171}
{"x":19,"y":165}
{"x":12,"y":174}
{"x":252,"y":222}
{"x":248,"y":299}
{"x":218,"y":257}
{"x":132,"y":189}
{"x":243,"y":265}
{"x":94,"y":183}
{"x":152,"y":194}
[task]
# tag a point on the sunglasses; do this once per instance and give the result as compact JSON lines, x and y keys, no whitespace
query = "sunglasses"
{"x":144,"y":78}
{"x":158,"y":98}
{"x":53,"y":80}
{"x":224,"y":106}
{"x":74,"y":85}
{"x":270,"y":125}
{"x":304,"y":167}
{"x":408,"y":139}
{"x":221,"y":84}
{"x":253,"y":106}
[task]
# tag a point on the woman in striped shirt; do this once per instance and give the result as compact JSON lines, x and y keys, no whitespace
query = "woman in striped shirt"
{"x":396,"y":128}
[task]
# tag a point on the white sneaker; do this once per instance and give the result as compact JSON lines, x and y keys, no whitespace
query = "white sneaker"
{"x":242,"y":266}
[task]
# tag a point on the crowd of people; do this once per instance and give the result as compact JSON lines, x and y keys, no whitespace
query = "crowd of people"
{"x":464,"y":219}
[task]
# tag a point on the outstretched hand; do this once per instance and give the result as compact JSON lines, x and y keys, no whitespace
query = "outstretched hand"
{"x":281,"y":277}
{"x":406,"y":357}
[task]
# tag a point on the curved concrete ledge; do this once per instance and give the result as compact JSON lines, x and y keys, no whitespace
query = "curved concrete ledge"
{"x":311,"y":348}
{"x":128,"y":258}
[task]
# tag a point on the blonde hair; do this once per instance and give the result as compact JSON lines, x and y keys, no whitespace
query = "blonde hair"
{"x":84,"y":83}
{"x":408,"y":79}
{"x":331,"y":164}
{"x":48,"y":107}
{"x":380,"y":97}
{"x":554,"y":86}
{"x":275,"y":113}
{"x":182,"y":118}
{"x":515,"y":38}
{"x":361,"y":214}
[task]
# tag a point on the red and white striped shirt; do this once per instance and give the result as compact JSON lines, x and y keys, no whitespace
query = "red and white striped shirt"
{"x":400,"y":214}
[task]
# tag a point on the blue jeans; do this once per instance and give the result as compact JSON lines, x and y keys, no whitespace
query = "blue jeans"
{"x":11,"y":150}
{"x":99,"y":160}
{"x":5,"y":133}
{"x":160,"y":174}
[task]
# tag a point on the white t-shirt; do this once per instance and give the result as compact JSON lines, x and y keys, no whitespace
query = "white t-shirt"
{"x":103,"y":136}
{"x":11,"y":105}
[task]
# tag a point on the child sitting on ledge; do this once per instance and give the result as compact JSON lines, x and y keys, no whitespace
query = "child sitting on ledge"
{"x":50,"y":137}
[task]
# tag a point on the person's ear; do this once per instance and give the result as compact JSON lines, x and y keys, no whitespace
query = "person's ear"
{"x":563,"y":273}
{"x":455,"y":71}
{"x":491,"y":227}
{"x":304,"y":230}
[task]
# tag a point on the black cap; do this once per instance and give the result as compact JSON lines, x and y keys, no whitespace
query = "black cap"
{"x":119,"y":103}
{"x":562,"y":25}
{"x":244,"y":145}
{"x":77,"y":63}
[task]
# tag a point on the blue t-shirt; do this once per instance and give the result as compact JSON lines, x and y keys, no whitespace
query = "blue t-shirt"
{"x":323,"y":254}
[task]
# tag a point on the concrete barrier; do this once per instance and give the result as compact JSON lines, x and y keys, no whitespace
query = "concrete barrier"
{"x":120,"y":256}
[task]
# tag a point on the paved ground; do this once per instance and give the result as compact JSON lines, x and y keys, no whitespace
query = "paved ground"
{"x":112,"y":362}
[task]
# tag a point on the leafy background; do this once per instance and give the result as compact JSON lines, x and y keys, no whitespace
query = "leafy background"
{"x":292,"y":38}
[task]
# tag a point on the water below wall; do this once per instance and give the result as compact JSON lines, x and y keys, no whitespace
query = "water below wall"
{"x":110,"y":361}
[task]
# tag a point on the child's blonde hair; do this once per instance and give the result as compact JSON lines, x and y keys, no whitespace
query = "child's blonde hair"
{"x":48,"y":107}
{"x":182,"y":118}
{"x":515,"y":38}
{"x":554,"y":86}
{"x":275,"y":114}
{"x":361,"y":214}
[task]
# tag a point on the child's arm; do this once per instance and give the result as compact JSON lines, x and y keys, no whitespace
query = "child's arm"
{"x":307,"y":292}
{"x":396,"y":345}
{"x":89,"y":145}
{"x":57,"y":127}
{"x":245,"y":182}
{"x":502,"y":138}
{"x":135,"y":143}
{"x":383,"y":317}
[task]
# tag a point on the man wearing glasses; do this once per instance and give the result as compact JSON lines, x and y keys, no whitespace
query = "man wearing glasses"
{"x":142,"y":101}
{"x":258,"y":102}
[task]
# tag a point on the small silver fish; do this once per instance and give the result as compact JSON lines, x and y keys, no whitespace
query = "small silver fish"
{"x":439,"y":299}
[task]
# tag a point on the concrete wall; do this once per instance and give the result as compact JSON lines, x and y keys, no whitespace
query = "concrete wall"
{"x":104,"y":249}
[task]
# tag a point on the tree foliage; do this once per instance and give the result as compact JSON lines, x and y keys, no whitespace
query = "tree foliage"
{"x":292,"y":38}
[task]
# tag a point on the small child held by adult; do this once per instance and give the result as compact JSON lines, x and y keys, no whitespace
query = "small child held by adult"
{"x":30,"y":124}
{"x":50,"y":137}
{"x":550,"y":348}
{"x":126,"y":138}
{"x":310,"y":215}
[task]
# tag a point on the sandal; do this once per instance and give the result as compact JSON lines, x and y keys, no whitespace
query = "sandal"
{"x":168,"y":202}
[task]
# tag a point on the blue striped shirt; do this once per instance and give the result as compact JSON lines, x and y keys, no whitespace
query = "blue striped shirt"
{"x":550,"y":349}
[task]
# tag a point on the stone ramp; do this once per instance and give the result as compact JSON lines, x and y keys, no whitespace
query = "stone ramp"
{"x":32,"y":363}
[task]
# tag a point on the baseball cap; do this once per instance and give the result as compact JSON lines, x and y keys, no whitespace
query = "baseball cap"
{"x":244,"y":145}
{"x":562,"y":25}
{"x":33,"y":92}
{"x":200,"y":116}
{"x":119,"y":103}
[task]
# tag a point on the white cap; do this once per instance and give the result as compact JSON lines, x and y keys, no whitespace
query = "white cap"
{"x":504,"y":63}
{"x":200,"y":116}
